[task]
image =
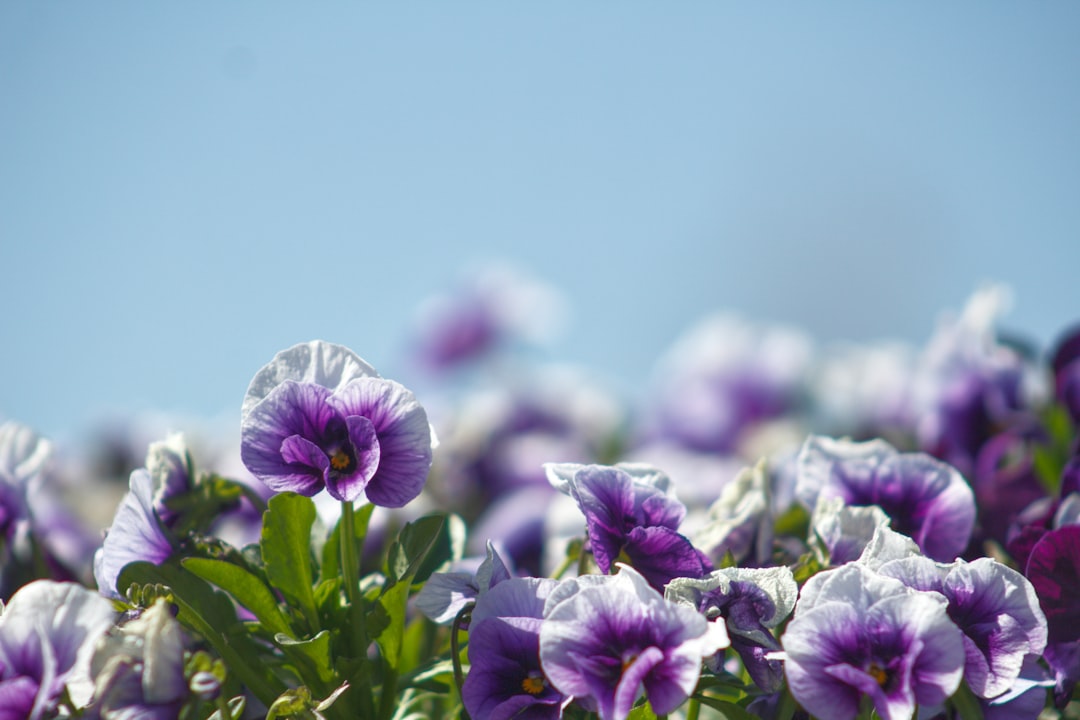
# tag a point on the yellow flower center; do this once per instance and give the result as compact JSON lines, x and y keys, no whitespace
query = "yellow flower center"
{"x":879,"y":675}
{"x":534,"y":684}
{"x":339,"y":460}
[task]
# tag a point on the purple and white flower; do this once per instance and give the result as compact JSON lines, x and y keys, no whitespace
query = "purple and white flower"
{"x":605,"y":640}
{"x":926,"y":499}
{"x":47,"y":636}
{"x":33,"y":517}
{"x":751,"y":602}
{"x":631,"y":514}
{"x":993,"y":605}
{"x":319,"y":417}
{"x":724,"y":378}
{"x":505,"y":678}
{"x":139,"y":531}
{"x":858,"y":634}
{"x":138,"y":669}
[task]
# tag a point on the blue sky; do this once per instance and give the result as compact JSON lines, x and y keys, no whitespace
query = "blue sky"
{"x":186,"y":188}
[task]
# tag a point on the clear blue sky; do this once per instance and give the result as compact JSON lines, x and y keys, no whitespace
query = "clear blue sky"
{"x":186,"y":188}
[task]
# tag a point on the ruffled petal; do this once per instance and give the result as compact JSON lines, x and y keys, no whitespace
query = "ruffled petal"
{"x":404,"y":434}
{"x":366,"y":451}
{"x":291,"y":409}
{"x":316,"y":362}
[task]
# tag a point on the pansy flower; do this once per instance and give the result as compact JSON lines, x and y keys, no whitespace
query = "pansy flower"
{"x":751,"y":602}
{"x":740,"y":521}
{"x":138,"y":669}
{"x":505,"y":677}
{"x":926,"y":499}
{"x":139,"y":531}
{"x":35,"y":524}
{"x":1053,"y":568}
{"x":993,"y":605}
{"x":856,"y":633}
{"x":631,"y":515}
{"x":723,"y":379}
{"x":1065,"y":362}
{"x":318,"y":416}
{"x":969,"y":385}
{"x":605,"y":640}
{"x":47,"y":636}
{"x":492,"y":308}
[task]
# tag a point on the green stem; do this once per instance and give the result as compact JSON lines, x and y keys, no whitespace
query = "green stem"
{"x":693,"y":708}
{"x":350,"y":572}
{"x":388,"y":699}
{"x":350,"y":569}
{"x":455,"y":651}
{"x":566,"y":563}
{"x":222,"y":704}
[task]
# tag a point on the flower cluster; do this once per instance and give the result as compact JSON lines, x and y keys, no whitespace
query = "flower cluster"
{"x":772,"y":532}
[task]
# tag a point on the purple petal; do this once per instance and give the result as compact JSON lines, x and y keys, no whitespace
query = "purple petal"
{"x":631,"y":683}
{"x":289,"y":409}
{"x":516,"y":597}
{"x":296,"y":450}
{"x":366,"y":450}
{"x":1054,"y":570}
{"x":135,"y":535}
{"x":998,"y":611}
{"x":661,"y":555}
{"x":404,"y":437}
{"x":17,"y":695}
{"x":827,"y":640}
{"x":606,"y":497}
{"x":505,"y":665}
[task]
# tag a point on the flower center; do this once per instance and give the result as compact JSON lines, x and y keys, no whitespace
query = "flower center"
{"x":880,"y":675}
{"x":533,"y":684}
{"x":340,"y":460}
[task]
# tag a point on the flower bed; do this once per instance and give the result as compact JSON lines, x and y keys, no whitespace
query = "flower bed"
{"x":771,"y":534}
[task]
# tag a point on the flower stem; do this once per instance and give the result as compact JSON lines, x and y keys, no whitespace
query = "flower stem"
{"x":563,"y":567}
{"x":350,"y":572}
{"x":455,"y":651}
{"x":693,"y":708}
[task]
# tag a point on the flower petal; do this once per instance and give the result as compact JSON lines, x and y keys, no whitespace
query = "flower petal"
{"x":367,"y":452}
{"x":405,"y":437}
{"x":316,"y":362}
{"x":290,"y":409}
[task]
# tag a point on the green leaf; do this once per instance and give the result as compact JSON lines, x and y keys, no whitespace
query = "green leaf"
{"x":966,"y":704}
{"x":806,"y":567}
{"x":449,"y":545}
{"x":643,"y":711}
{"x":292,"y":702}
{"x":405,"y":558}
{"x":209,"y":613}
{"x":247,"y":589}
{"x":286,"y":542}
{"x":198,"y":508}
{"x":311,"y":656}
{"x":412,"y":546}
{"x":795,"y":521}
{"x":727,"y":710}
{"x":236,"y":709}
{"x":386,"y":622}
{"x":435,"y":676}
